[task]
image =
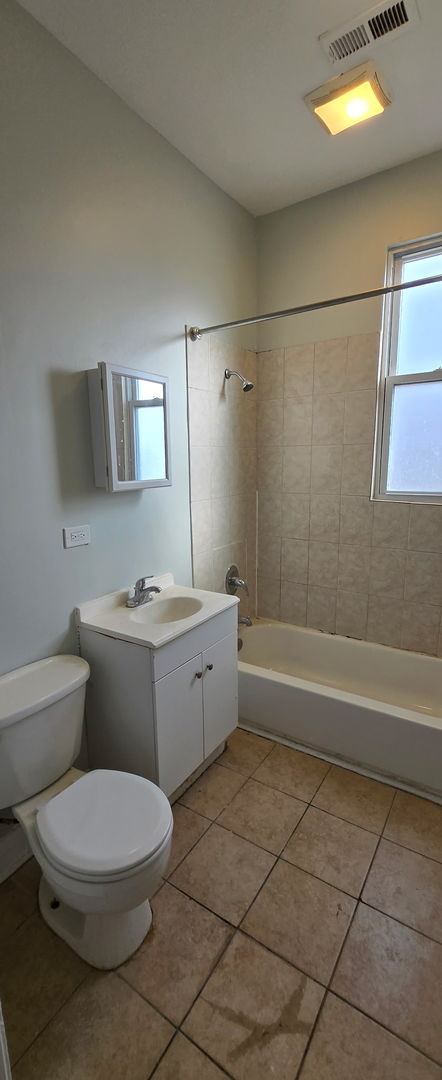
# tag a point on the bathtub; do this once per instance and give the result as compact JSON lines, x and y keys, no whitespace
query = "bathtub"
{"x":375,"y":708}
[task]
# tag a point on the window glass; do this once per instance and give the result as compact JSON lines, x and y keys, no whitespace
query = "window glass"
{"x":415,"y":457}
{"x":419,"y":338}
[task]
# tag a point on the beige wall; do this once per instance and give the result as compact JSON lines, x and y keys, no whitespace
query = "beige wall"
{"x":328,"y":557}
{"x":335,"y":244}
{"x":222,"y":465}
{"x":346,"y":564}
{"x":112,"y":242}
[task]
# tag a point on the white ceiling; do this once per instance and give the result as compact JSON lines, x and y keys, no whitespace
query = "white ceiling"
{"x":223,"y":81}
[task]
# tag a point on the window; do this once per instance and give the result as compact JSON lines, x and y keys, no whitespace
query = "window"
{"x":408,"y":456}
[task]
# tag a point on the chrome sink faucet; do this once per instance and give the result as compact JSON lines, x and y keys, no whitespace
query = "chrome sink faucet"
{"x":142,"y":592}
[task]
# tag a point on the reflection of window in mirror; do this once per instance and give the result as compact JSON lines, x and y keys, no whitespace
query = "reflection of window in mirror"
{"x":139,"y":428}
{"x":135,"y":413}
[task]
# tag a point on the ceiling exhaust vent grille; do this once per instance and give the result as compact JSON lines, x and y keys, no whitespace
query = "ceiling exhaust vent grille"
{"x":391,"y":18}
{"x":370,"y":27}
{"x":349,"y":43}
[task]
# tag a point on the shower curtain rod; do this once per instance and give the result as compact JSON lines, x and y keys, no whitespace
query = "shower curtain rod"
{"x":196,"y":332}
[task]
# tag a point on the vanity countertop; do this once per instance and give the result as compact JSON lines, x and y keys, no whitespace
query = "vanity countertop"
{"x":174,"y":611}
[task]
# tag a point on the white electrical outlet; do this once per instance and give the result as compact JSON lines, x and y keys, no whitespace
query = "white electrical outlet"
{"x":75,"y":535}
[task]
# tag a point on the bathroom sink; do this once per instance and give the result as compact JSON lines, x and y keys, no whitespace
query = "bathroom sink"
{"x":174,"y":611}
{"x":168,"y":610}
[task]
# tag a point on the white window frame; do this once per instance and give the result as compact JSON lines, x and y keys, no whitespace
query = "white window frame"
{"x":387,"y":378}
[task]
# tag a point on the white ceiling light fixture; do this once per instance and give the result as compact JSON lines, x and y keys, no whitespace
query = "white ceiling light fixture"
{"x":349,"y":99}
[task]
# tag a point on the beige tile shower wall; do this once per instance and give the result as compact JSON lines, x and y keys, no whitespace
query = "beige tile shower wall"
{"x":328,"y":557}
{"x":222,"y":426}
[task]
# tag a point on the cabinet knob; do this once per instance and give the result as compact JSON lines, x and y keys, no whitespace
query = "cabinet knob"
{"x":199,"y":674}
{"x":209,"y":667}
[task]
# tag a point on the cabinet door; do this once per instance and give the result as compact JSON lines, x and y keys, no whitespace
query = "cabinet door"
{"x":220,"y":691}
{"x":179,"y":724}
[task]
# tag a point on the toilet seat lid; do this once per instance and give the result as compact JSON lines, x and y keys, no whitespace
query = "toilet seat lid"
{"x":105,"y":822}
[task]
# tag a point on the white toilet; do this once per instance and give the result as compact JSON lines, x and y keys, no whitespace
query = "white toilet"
{"x":102,"y":838}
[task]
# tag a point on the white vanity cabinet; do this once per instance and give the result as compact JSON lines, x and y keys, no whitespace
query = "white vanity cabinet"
{"x":195,"y":710}
{"x":161,"y":712}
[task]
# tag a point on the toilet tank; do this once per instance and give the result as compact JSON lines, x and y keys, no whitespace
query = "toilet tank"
{"x":41,"y":720}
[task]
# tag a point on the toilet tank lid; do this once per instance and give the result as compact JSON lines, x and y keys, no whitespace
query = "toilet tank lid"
{"x":31,"y":688}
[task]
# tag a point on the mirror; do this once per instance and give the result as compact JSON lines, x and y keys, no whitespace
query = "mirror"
{"x":133,"y":407}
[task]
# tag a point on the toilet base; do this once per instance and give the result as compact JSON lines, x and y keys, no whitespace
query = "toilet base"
{"x":103,"y":941}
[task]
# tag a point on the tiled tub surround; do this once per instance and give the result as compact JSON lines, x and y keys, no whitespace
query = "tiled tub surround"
{"x":222,"y":432}
{"x":328,"y":557}
{"x":298,"y":936}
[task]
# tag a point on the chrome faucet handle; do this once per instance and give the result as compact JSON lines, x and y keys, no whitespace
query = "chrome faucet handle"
{"x":234,"y":582}
{"x":141,"y":584}
{"x":142,"y":592}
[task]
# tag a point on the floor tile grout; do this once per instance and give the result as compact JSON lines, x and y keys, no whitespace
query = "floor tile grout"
{"x":313,"y":978}
{"x":308,"y":803}
{"x":205,"y":1052}
{"x":434,"y":941}
{"x":166,"y":1048}
{"x":316,"y":877}
{"x":352,"y":919}
{"x":225,"y":828}
{"x":53,"y":1017}
{"x":384,"y":780}
{"x":414,"y":851}
{"x":183,"y":892}
{"x":333,"y":972}
{"x":187,"y":852}
{"x":310,"y":1038}
{"x":147,"y":1001}
{"x":384,"y":1027}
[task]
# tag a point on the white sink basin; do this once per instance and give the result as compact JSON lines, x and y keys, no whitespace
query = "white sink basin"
{"x":172,"y":612}
{"x":167,"y":610}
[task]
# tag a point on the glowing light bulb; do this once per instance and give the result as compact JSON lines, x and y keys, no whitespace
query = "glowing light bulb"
{"x":357,"y":108}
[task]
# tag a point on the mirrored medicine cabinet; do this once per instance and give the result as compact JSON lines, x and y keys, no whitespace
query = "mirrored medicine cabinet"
{"x":130,"y":428}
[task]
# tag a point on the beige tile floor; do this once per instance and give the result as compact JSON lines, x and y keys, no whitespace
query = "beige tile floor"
{"x":298,"y":935}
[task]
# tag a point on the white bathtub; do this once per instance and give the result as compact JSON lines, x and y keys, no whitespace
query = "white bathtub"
{"x":377,"y":708}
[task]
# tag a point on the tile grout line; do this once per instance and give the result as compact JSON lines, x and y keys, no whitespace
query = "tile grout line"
{"x":222,"y":918}
{"x":399,"y":922}
{"x":379,"y":1023}
{"x":414,"y":851}
{"x":165,"y":879}
{"x":327,"y":986}
{"x":341,"y":763}
{"x":54,"y":1016}
{"x":205,"y":1052}
{"x":310,"y":802}
{"x":166,"y":1048}
{"x":346,"y":935}
{"x":310,"y":1038}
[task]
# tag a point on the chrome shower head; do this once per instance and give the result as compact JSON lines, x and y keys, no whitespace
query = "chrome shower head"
{"x":246,"y":385}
